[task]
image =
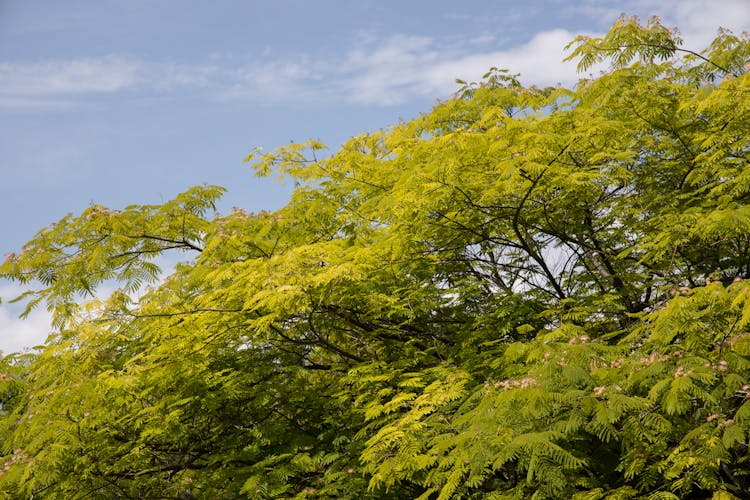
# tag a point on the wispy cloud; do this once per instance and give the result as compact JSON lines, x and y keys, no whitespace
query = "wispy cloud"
{"x":401,"y":68}
{"x":395,"y":69}
{"x":294,"y":79}
{"x":68,"y":83}
{"x":60,"y":77}
{"x":389,"y":71}
{"x":378,"y":71}
{"x":374,"y":71}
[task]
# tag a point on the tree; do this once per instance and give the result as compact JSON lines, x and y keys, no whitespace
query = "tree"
{"x":524,"y":292}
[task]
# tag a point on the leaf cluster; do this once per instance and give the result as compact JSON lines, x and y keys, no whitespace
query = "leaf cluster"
{"x":524,"y":293}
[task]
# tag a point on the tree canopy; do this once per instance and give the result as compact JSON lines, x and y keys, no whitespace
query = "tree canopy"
{"x":525,"y":292}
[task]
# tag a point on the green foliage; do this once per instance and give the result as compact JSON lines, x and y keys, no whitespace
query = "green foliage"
{"x":524,"y":293}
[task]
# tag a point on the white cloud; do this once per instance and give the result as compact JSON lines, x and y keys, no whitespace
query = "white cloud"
{"x":539,"y":61}
{"x":68,"y":83}
{"x":402,"y":67}
{"x":388,"y":71}
{"x":698,"y":20}
{"x":165,"y":77}
{"x":375,"y":71}
{"x":295,"y":79}
{"x":64,"y":84}
{"x":378,"y":71}
{"x":65,"y":77}
{"x":18,"y":334}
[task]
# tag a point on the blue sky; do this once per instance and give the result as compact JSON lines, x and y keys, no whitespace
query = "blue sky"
{"x":119,"y":102}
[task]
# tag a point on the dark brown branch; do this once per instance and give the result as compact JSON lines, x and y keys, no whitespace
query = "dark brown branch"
{"x":181,"y":242}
